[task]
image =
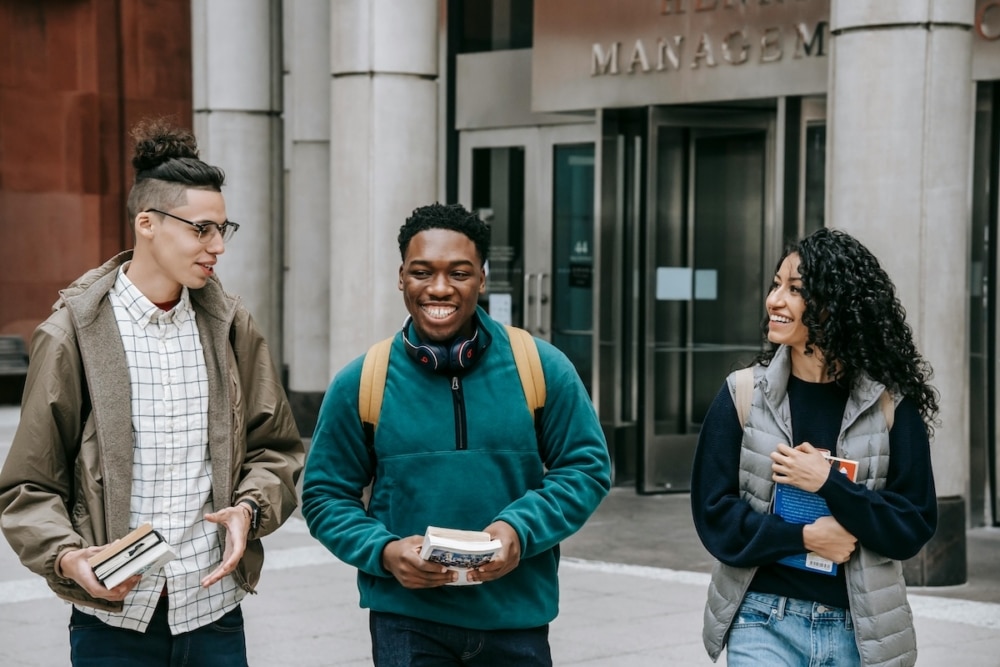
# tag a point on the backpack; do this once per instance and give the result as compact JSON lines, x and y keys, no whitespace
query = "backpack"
{"x":376,"y":366}
{"x":743,"y":390}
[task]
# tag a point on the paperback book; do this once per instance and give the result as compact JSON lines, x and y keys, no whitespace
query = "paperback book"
{"x":459,"y":550}
{"x":141,"y":550}
{"x":797,"y":506}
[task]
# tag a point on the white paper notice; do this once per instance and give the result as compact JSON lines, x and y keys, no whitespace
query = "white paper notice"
{"x":501,"y":308}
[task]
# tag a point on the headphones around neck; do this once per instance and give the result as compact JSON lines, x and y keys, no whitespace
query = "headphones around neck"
{"x":460,"y":354}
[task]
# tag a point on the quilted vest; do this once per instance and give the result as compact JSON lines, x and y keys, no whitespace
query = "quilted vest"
{"x":875,"y":585}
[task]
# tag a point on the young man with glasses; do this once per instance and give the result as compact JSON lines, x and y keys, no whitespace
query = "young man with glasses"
{"x":151,"y":397}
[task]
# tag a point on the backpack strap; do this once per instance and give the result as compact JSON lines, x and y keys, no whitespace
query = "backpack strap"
{"x":374,"y":371}
{"x":529,"y":368}
{"x":743,"y":385}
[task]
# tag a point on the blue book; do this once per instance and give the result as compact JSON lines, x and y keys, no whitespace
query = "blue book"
{"x":803,"y":507}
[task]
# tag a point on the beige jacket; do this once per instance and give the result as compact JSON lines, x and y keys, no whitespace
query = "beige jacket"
{"x":67,"y":481}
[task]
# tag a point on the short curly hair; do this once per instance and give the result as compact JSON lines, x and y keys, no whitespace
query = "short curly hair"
{"x":454,"y":217}
{"x":854,"y":317}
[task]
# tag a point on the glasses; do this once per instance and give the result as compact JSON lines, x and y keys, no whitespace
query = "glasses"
{"x":206,"y":230}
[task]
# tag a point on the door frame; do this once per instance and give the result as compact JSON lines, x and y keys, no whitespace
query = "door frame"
{"x":538,"y":143}
{"x":656,"y":453}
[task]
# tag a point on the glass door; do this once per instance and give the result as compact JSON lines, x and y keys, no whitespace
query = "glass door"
{"x":535,"y":187}
{"x":984,"y":314}
{"x":498,"y":183}
{"x":710,"y":225}
{"x":572,"y":312}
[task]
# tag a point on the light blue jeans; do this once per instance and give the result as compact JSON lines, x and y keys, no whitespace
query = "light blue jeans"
{"x":778,"y":631}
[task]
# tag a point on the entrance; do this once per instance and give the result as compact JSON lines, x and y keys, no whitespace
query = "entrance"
{"x":984,"y":313}
{"x":642,"y":245}
{"x":535,"y":188}
{"x":710,"y":240}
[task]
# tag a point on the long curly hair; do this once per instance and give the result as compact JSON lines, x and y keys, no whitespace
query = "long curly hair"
{"x":854,"y":318}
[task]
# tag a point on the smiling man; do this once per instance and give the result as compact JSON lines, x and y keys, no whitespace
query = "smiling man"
{"x":455,"y":447}
{"x":151,"y":398}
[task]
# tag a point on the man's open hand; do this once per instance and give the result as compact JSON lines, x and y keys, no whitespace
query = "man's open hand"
{"x":237,"y":522}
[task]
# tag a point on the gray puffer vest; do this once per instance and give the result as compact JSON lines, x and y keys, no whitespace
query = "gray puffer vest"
{"x":875,"y":585}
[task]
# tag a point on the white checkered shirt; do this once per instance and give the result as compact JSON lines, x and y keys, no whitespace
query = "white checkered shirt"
{"x":171,"y":468}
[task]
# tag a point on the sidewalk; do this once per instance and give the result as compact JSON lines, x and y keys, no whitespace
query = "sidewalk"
{"x":633,"y":585}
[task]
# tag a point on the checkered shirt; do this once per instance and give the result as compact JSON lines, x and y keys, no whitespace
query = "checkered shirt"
{"x":171,"y":468}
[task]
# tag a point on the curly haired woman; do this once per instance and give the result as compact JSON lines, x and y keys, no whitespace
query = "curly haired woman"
{"x":838,"y":342}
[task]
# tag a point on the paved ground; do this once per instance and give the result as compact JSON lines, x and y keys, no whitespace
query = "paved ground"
{"x":633,"y":586}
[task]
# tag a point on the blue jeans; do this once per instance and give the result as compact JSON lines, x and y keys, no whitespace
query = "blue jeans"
{"x":773,"y":630}
{"x":94,"y":643}
{"x":402,"y":641}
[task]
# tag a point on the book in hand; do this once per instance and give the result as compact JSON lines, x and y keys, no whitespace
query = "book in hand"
{"x":803,"y":507}
{"x":459,"y":550}
{"x":141,"y":550}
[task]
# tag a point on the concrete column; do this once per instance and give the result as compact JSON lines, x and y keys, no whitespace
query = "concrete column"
{"x":900,"y":119}
{"x":307,"y":129}
{"x":383,"y":145}
{"x":236,"y":51}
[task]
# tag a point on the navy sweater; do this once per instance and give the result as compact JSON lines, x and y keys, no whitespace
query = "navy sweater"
{"x":895,"y":521}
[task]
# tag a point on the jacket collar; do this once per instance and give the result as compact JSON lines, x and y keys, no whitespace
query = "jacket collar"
{"x":774,"y":386}
{"x":109,"y":386}
{"x":85,"y":294}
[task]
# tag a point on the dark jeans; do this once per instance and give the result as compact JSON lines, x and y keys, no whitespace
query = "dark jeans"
{"x":402,"y":641}
{"x":93,"y":643}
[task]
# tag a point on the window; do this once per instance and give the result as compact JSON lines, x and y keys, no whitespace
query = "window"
{"x":493,"y":25}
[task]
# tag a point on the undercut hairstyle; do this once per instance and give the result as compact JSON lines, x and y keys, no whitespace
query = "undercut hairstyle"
{"x":453,"y":217}
{"x":855,"y":319}
{"x":166,"y":165}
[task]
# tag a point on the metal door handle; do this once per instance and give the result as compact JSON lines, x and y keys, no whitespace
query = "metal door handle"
{"x":528,"y":300}
{"x":543,"y":299}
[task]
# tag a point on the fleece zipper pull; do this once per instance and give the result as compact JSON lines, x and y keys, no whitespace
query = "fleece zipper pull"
{"x":459,"y":400}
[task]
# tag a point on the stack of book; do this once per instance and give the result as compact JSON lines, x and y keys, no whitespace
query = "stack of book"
{"x":141,"y":550}
{"x":459,"y":550}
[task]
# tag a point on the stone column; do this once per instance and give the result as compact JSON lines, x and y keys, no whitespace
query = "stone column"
{"x":236,"y":54}
{"x":383,"y":146}
{"x":900,"y":119}
{"x":307,"y":129}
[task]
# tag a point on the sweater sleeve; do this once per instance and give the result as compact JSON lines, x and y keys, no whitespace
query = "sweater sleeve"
{"x":895,"y":521}
{"x":728,"y":526}
{"x":337,"y":471}
{"x":578,"y":466}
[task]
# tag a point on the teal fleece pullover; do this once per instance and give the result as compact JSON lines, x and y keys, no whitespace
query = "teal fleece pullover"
{"x":426,"y":476}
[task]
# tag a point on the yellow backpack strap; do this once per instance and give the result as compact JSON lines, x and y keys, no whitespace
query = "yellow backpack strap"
{"x":529,"y":368}
{"x":888,"y":408}
{"x":743,"y":385}
{"x":371,"y":390}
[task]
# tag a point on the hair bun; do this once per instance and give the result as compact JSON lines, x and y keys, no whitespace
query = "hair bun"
{"x":157,"y":140}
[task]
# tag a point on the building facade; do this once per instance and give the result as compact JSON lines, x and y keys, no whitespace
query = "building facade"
{"x":642,"y":163}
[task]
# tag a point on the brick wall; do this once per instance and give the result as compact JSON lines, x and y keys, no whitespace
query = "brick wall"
{"x":74,"y":76}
